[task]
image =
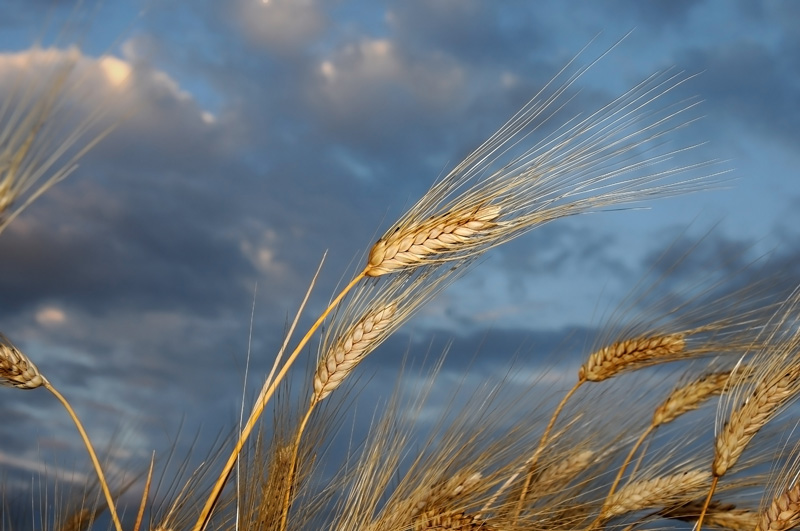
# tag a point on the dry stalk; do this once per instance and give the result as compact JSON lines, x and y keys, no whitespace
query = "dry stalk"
{"x":783,"y":513}
{"x":531,"y":462}
{"x":17,"y":370}
{"x":258,"y":408}
{"x":145,"y":493}
{"x":661,"y":491}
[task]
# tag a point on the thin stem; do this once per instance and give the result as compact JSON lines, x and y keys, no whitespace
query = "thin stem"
{"x":287,"y":495}
{"x":103,"y":484}
{"x":699,"y":525}
{"x":258,"y":408}
{"x":627,"y":461}
{"x":140,"y":514}
{"x":531,"y":464}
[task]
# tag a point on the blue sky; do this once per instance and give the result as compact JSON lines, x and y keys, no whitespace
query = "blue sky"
{"x":259,"y":135}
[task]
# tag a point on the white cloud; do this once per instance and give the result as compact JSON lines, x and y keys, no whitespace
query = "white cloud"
{"x":50,"y":316}
{"x":372,"y":72}
{"x":280,"y":24}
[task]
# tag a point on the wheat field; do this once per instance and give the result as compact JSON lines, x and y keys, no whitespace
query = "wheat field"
{"x":678,"y":415}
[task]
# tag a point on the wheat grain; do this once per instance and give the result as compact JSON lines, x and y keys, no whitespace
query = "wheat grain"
{"x":783,"y":513}
{"x":16,"y":369}
{"x":350,"y":349}
{"x":660,"y":491}
{"x":640,"y":351}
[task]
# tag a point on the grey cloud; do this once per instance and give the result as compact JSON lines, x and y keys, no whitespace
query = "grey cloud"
{"x":751,"y":84}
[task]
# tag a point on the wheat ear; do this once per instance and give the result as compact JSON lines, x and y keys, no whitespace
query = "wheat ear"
{"x":771,"y":393}
{"x":768,"y":397}
{"x":660,"y":491}
{"x":783,"y":513}
{"x":632,"y":353}
{"x":348,"y":351}
{"x":724,"y":516}
{"x":439,"y":520}
{"x":17,"y":370}
{"x":435,"y":239}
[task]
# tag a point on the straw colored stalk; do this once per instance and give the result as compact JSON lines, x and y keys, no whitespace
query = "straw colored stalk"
{"x":17,"y":370}
{"x":499,"y":192}
{"x":41,"y":137}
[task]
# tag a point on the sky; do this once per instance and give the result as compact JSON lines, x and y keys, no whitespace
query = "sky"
{"x":255,"y":137}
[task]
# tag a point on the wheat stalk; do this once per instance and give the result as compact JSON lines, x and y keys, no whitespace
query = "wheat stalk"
{"x":17,"y":370}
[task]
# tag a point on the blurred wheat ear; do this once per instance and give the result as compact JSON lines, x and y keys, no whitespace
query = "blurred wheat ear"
{"x":42,"y":135}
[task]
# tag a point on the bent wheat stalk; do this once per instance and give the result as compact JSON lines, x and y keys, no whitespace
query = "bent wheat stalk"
{"x":17,"y":370}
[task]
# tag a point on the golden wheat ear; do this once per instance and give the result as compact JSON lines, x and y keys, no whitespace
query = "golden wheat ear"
{"x":17,"y":370}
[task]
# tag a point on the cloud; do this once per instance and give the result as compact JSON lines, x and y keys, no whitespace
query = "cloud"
{"x":283,"y":26}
